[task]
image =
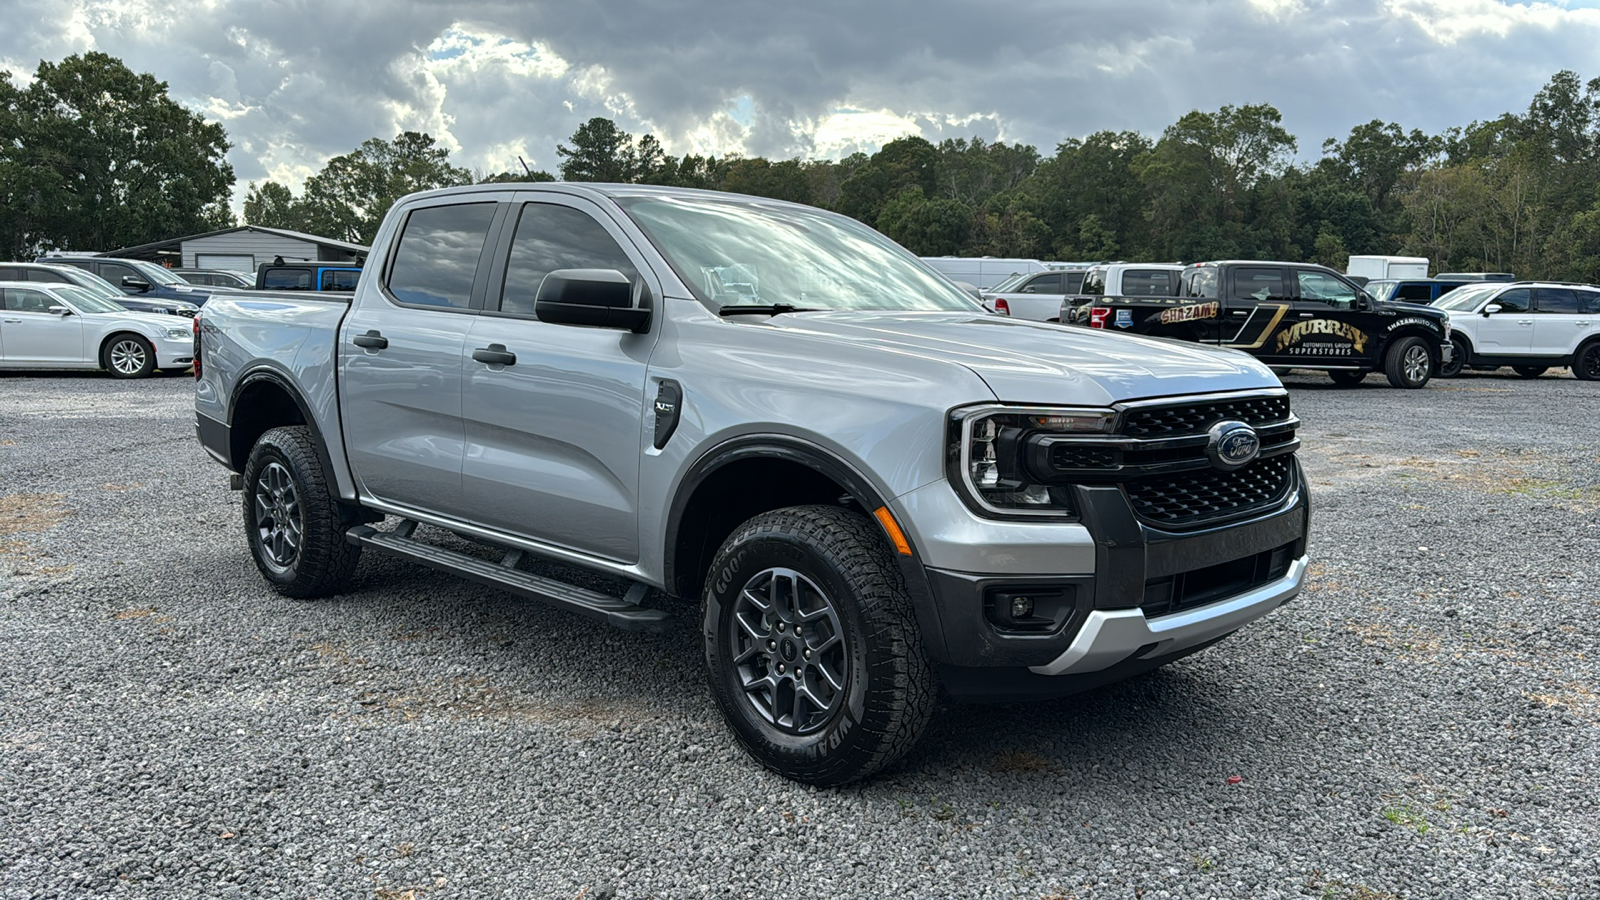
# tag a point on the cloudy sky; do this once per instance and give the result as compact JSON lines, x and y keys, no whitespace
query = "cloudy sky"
{"x":296,"y":82}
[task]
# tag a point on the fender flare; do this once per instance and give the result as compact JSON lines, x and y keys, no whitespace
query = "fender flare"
{"x":266,"y":373}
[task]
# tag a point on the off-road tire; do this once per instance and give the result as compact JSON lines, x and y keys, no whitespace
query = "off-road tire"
{"x":888,"y":687}
{"x":114,"y":355}
{"x":1530,"y":371}
{"x":1400,"y":363}
{"x":1586,"y":363}
{"x":324,"y":560}
{"x":1347,"y":379}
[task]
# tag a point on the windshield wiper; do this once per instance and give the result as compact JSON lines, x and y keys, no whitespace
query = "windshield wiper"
{"x":769,"y":309}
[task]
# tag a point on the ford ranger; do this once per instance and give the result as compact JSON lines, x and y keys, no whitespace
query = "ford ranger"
{"x":771,"y":419}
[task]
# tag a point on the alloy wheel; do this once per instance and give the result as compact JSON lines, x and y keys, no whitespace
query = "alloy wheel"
{"x":127,"y":356}
{"x":1416,"y":363}
{"x":280,"y":527}
{"x":789,"y":650}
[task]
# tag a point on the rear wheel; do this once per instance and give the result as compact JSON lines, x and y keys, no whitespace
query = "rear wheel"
{"x":1586,"y":365}
{"x":1347,"y":379}
{"x":812,"y":648}
{"x":128,"y":356}
{"x":1530,"y":371}
{"x":1409,"y":362}
{"x":295,"y":527}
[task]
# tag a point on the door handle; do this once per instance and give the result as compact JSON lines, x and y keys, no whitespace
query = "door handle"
{"x":1308,"y":315}
{"x":11,"y":321}
{"x":372,"y":340}
{"x":495,"y":355}
{"x":1524,"y":321}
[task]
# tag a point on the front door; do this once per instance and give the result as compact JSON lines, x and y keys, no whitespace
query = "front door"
{"x":1508,"y":332}
{"x":32,"y":335}
{"x":1323,"y":326}
{"x":400,"y":354}
{"x":554,"y":438}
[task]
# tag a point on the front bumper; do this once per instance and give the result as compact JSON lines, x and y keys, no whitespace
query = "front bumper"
{"x":174,"y":353}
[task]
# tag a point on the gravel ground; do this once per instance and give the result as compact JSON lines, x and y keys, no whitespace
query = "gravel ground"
{"x":1422,"y":722}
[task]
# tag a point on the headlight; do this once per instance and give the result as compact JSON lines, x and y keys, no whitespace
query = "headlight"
{"x":179,"y":334}
{"x":988,"y":451}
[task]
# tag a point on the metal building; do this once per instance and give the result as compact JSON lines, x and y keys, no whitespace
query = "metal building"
{"x":243,"y":248}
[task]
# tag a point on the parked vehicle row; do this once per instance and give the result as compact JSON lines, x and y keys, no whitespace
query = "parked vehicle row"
{"x":1529,"y":326}
{"x":134,"y":276}
{"x":45,"y":273}
{"x":64,"y":326}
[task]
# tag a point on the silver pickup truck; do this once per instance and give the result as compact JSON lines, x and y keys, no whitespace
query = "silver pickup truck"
{"x":859,"y":481}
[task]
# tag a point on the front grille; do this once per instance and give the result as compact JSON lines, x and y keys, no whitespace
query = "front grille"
{"x":1194,"y":418}
{"x":1082,"y":456}
{"x":1186,"y":590}
{"x":1202,"y":495}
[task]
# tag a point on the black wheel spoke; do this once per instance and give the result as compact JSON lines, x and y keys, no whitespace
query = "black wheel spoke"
{"x":788,"y":650}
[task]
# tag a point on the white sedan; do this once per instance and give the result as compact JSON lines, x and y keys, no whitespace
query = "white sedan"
{"x":63,"y":326}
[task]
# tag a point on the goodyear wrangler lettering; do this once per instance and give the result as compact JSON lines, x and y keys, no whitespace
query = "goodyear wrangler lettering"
{"x":1301,"y":331}
{"x":1190,"y":313}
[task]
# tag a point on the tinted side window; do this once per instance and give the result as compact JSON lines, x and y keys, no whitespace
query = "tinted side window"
{"x":10,"y":274}
{"x":551,"y":237}
{"x":437,"y":256}
{"x":1072,"y":283}
{"x":1588,"y":302}
{"x":339,"y":279}
{"x":1421,"y":293}
{"x":24,"y":300}
{"x":1149,"y":283}
{"x":45,"y":276}
{"x":1045,"y":284}
{"x":1555,"y":300}
{"x":115,"y":272}
{"x":288,"y":280}
{"x":1257,"y":284}
{"x":1514,"y":300}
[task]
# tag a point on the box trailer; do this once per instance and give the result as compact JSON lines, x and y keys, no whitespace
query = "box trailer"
{"x":1372,"y":267}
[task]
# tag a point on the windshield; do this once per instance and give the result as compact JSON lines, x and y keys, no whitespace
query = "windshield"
{"x":1381,"y":290}
{"x":1465,"y":299}
{"x":1010,"y":283}
{"x":84,"y":301}
{"x":97,"y":286}
{"x":155,"y":274}
{"x":744,"y":253}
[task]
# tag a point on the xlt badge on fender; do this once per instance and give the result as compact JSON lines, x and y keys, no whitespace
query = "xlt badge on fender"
{"x":669,"y":401}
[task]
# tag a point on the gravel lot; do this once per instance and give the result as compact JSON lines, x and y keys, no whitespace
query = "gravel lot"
{"x":1422,"y":722}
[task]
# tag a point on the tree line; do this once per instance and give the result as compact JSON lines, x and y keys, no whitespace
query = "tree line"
{"x":94,"y":156}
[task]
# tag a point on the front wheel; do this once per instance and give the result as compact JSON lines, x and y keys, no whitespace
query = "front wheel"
{"x":1530,"y":371}
{"x":1586,"y":365}
{"x":1409,"y":363}
{"x":1346,"y":379}
{"x":291,"y":519}
{"x":128,"y":356}
{"x":811,"y":645}
{"x":1458,"y":362}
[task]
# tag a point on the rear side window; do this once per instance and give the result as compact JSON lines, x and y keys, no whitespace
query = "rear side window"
{"x":1045,"y":284}
{"x":1251,"y":283}
{"x":551,"y":237}
{"x":1149,"y":283}
{"x":1556,"y":300}
{"x":287,"y":280}
{"x":1414,"y":292}
{"x":1588,"y":302}
{"x":45,"y":276}
{"x":339,"y":280}
{"x":436,"y":258}
{"x":1072,"y":283}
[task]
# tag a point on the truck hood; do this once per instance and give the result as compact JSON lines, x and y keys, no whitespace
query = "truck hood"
{"x":1412,"y":309}
{"x":1036,"y":362}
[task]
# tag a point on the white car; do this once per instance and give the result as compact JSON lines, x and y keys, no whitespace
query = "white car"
{"x":1036,"y":296}
{"x":1531,"y":326}
{"x":63,"y":326}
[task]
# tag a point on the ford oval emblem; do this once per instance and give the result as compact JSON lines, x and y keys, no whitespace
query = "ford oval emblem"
{"x":1232,"y":444}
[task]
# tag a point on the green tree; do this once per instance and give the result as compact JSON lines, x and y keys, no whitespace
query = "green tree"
{"x":96,"y":156}
{"x":1091,"y":197}
{"x":902,"y":164}
{"x":937,"y":227}
{"x":348,"y":198}
{"x":272,"y":205}
{"x":601,"y":151}
{"x":785,"y":180}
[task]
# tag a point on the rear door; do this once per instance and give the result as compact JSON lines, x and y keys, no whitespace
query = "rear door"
{"x":554,"y":439}
{"x":1559,"y":323}
{"x":1508,"y":332}
{"x":1255,"y":301}
{"x":400,"y":352}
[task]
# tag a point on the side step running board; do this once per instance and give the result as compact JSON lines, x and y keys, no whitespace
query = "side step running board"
{"x":624,"y":613}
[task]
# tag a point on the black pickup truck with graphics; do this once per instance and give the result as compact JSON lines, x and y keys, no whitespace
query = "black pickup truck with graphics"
{"x":1290,"y":316}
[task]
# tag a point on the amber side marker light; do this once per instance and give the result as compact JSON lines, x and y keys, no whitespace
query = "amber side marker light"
{"x":898,"y":537}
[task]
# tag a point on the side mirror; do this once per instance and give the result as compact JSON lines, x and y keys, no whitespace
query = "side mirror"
{"x":61,"y":311}
{"x":1491,"y":309}
{"x":138,"y":284}
{"x":602,"y":298}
